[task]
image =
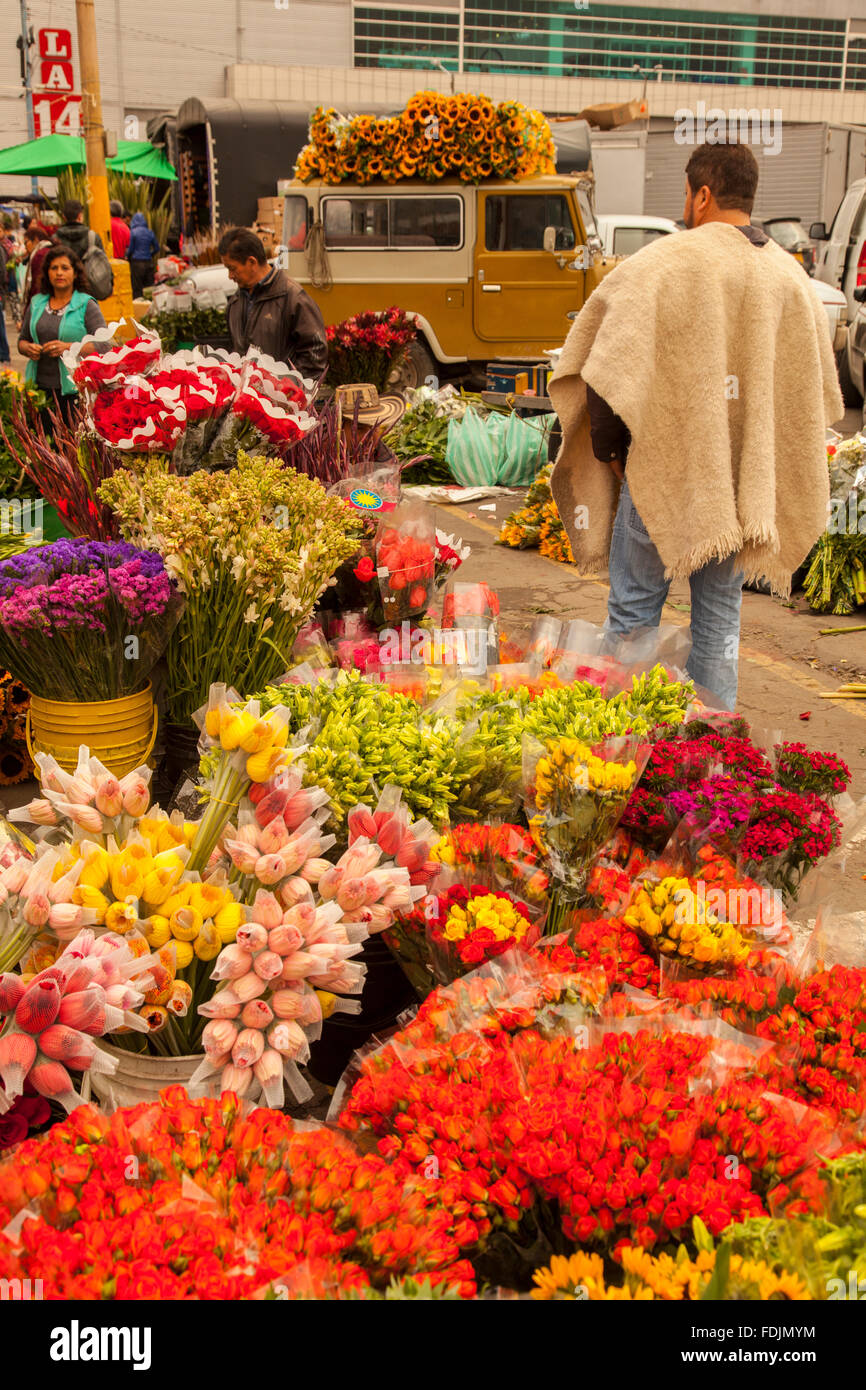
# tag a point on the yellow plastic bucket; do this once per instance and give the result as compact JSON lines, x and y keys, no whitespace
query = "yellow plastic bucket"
{"x":121,"y":733}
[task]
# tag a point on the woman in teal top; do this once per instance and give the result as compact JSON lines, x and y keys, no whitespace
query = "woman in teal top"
{"x":59,"y":314}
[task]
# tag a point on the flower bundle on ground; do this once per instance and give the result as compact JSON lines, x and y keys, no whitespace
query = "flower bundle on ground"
{"x":251,"y":551}
{"x":222,"y":1206}
{"x":368,"y":347}
{"x":435,"y":137}
{"x":465,"y":765}
{"x":780,"y":824}
{"x":85,"y":620}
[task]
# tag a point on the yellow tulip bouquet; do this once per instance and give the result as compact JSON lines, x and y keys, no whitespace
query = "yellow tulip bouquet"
{"x":460,"y":136}
{"x":575,"y":794}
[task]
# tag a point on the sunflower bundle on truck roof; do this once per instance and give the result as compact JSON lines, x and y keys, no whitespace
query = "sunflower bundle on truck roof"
{"x":435,"y":137}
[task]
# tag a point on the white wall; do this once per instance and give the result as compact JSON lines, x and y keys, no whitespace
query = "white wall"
{"x":154,"y":55}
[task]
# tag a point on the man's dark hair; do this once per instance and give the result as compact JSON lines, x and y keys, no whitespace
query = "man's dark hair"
{"x":240,"y":244}
{"x":79,"y":281}
{"x":730,"y":172}
{"x":115,"y":208}
{"x":72,"y":210}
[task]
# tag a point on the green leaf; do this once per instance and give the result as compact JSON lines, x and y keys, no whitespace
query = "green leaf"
{"x":717,"y":1288}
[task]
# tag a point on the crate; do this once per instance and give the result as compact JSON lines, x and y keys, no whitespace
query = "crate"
{"x":518,"y":377}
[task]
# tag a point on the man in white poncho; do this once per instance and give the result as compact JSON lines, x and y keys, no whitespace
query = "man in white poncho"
{"x":694,"y":392}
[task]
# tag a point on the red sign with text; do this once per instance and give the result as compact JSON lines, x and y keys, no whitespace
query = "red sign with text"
{"x":55,"y":43}
{"x":56,"y":107}
{"x":55,"y":76}
{"x":56,"y":115}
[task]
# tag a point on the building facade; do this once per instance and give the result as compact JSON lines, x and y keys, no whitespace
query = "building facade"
{"x":803,"y":58}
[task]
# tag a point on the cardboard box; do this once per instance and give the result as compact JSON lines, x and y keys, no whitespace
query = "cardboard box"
{"x":266,"y":205}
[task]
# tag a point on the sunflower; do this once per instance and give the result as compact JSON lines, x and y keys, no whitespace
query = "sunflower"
{"x":15,"y":765}
{"x":17,"y":697}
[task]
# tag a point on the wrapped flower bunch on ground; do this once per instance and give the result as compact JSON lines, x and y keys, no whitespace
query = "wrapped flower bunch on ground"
{"x":69,"y":609}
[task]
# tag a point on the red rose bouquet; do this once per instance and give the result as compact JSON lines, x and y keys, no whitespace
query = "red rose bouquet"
{"x":115,"y":359}
{"x":405,"y":563}
{"x":268,"y":414}
{"x":138,"y":417}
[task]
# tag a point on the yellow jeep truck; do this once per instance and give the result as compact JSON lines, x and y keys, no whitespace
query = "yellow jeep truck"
{"x":490,"y":270}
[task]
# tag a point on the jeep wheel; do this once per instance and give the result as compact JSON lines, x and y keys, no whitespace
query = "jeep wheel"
{"x":417,"y":368}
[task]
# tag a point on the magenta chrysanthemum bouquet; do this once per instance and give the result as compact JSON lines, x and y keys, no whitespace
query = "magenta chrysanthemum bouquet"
{"x":85,"y":620}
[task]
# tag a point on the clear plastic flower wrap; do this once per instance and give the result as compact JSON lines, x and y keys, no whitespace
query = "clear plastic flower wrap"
{"x":405,"y":562}
{"x":575,"y":794}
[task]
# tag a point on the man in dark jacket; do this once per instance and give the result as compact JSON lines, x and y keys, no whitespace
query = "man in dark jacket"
{"x":73,"y":231}
{"x":270,"y":310}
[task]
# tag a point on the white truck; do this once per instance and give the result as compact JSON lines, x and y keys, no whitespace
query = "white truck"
{"x":640,"y":168}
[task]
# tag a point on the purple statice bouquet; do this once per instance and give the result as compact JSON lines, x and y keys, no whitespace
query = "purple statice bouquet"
{"x":85,"y":620}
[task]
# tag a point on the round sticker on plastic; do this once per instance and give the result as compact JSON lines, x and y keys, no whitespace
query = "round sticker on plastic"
{"x":366,"y":499}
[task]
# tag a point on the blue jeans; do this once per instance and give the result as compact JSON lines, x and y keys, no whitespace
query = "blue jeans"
{"x":638,"y":590}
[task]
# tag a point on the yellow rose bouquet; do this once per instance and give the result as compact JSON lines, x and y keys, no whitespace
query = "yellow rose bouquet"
{"x":575,"y":794}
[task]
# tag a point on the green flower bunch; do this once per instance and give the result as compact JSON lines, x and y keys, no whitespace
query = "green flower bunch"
{"x":464,"y":766}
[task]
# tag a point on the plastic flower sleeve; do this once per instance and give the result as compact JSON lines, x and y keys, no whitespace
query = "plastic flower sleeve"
{"x":473,"y":610}
{"x":136,"y":417}
{"x":115,"y":359}
{"x":466,"y":927}
{"x":405,"y":560}
{"x":575,"y":796}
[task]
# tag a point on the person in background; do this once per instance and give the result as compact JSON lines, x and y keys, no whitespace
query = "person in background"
{"x":73,"y":230}
{"x":5,"y":359}
{"x":37,"y":244}
{"x":119,"y":231}
{"x":270,"y":310}
{"x":142,"y":248}
{"x":60,"y":313}
{"x":706,"y":459}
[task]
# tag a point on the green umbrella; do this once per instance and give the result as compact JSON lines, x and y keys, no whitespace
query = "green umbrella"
{"x":141,"y":158}
{"x":50,"y":155}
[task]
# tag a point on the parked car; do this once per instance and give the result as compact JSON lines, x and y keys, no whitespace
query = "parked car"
{"x":624,"y":233}
{"x":842,"y":263}
{"x":792,"y":236}
{"x":489,"y":271}
{"x":836,"y":307}
{"x":856,"y":346}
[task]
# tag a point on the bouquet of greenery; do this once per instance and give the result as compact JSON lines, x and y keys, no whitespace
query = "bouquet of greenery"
{"x":14,"y":391}
{"x":251,"y":549}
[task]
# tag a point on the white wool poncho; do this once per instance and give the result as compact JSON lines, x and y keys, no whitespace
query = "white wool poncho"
{"x":716,"y":355}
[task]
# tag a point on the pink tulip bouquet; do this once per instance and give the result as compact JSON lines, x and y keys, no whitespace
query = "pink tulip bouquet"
{"x":51,"y":1022}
